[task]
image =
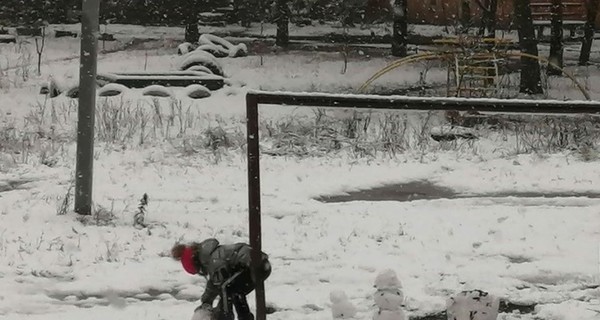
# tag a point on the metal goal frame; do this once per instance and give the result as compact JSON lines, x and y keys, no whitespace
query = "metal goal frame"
{"x":254,"y":98}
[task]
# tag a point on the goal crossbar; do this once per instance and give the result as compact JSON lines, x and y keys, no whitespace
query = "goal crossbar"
{"x":254,"y":98}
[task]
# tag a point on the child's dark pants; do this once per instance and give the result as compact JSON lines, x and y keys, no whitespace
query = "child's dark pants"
{"x":235,"y":295}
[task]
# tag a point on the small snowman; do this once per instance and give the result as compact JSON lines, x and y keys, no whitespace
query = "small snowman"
{"x":388,"y":297}
{"x":341,"y":307}
{"x":203,"y":314}
{"x":473,"y":305}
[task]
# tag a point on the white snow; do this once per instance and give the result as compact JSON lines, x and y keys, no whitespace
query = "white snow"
{"x":55,"y":267}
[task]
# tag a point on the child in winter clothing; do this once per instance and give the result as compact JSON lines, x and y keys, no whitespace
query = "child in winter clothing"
{"x":228,"y":273}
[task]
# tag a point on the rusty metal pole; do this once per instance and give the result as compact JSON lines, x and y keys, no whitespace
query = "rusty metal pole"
{"x":254,"y":217}
{"x":87,"y":105}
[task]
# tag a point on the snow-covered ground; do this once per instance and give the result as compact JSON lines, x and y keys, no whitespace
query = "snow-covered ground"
{"x":525,"y":250}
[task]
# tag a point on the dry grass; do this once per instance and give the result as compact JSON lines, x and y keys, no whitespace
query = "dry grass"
{"x":49,"y":132}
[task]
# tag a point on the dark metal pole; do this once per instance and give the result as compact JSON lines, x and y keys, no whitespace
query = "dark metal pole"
{"x":254,"y":217}
{"x":87,"y":105}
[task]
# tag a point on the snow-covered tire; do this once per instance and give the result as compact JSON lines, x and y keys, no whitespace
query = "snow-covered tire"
{"x":197,"y":91}
{"x":185,"y":48}
{"x":157,"y":91}
{"x":241,"y":50}
{"x":211,"y":39}
{"x":200,"y":69}
{"x":72,"y":92}
{"x":201,"y":58}
{"x":111,"y":90}
{"x":232,"y":50}
{"x":215,"y":50}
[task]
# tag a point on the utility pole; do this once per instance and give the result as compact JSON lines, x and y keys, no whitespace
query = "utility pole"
{"x":84,"y":167}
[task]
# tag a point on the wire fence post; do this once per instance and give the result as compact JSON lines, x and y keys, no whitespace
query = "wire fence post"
{"x":87,"y":105}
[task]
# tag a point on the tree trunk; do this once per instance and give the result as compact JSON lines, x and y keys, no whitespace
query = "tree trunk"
{"x":283,"y":20}
{"x":556,"y":40}
{"x":191,"y":32}
{"x":465,"y":16}
{"x":531,"y":82}
{"x":489,"y":18}
{"x":586,"y":47}
{"x":400,"y":29}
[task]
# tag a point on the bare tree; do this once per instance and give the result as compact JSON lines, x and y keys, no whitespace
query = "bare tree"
{"x":283,"y":20}
{"x":488,"y":19}
{"x":592,"y":12}
{"x":400,"y":29}
{"x":40,"y":42}
{"x":531,"y":81}
{"x":556,"y":40}
{"x":190,"y":11}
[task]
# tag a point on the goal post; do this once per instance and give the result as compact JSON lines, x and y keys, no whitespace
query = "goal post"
{"x":254,"y":98}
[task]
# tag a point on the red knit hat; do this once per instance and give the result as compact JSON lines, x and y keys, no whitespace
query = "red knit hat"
{"x":187,"y":261}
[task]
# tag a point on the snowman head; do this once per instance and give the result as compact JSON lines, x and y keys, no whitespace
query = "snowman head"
{"x":338,"y":296}
{"x":387,"y":279}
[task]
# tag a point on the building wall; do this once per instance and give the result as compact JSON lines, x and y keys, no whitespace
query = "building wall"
{"x":448,"y":12}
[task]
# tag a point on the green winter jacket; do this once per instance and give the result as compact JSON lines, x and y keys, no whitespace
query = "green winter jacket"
{"x":220,"y":262}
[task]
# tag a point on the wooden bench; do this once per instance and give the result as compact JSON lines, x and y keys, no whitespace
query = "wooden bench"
{"x":573,"y":11}
{"x":167,"y":79}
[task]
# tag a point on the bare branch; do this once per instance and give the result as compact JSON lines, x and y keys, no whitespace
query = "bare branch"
{"x":483,"y":6}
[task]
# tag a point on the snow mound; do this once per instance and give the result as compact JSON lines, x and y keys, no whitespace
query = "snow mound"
{"x":111,"y":90}
{"x":157,"y":91}
{"x":196,"y":91}
{"x":201,"y":58}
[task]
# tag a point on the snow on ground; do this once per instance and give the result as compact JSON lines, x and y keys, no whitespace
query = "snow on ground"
{"x":53,"y":266}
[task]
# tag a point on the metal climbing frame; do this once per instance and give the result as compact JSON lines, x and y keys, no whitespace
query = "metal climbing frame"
{"x":475,"y":69}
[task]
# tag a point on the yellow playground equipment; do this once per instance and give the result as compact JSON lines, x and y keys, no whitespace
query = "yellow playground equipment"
{"x":474,"y":69}
{"x":475,"y":65}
